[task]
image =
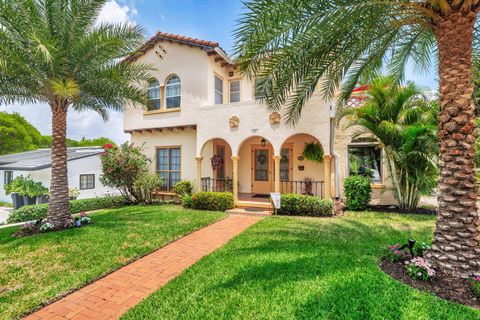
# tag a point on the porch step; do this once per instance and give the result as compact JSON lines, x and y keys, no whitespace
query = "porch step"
{"x":257,"y":212}
{"x":253,"y":204}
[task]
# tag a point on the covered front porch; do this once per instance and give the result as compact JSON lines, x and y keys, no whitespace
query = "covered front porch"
{"x":256,"y":168}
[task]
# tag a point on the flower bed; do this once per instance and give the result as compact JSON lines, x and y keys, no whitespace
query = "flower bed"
{"x":41,"y":226}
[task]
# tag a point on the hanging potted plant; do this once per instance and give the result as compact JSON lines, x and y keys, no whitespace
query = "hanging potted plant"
{"x":313,"y":151}
{"x":217,"y":162}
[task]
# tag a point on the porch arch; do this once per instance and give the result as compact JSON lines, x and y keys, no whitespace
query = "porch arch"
{"x":214,"y":165}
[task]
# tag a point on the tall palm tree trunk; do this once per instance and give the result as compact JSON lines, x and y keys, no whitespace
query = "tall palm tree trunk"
{"x":58,"y":207}
{"x":456,"y":248}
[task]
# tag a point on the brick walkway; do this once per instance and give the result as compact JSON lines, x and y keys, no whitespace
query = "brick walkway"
{"x":113,"y":295}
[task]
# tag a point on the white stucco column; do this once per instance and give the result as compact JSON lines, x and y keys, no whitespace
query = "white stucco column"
{"x":199,"y":173}
{"x":276,"y":160}
{"x":327,"y":167}
{"x":235,"y":177}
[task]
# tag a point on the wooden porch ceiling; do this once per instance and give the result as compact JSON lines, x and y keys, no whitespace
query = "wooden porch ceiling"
{"x":161,"y":129}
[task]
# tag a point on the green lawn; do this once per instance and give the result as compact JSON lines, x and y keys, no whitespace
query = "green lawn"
{"x":303,"y":268}
{"x":38,"y":268}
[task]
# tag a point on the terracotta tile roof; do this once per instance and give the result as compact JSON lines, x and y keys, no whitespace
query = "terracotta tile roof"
{"x":159,"y":36}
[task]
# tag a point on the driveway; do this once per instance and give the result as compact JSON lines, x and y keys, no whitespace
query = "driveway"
{"x":4,"y":212}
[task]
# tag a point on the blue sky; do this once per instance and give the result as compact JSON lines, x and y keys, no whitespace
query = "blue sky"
{"x":204,"y":19}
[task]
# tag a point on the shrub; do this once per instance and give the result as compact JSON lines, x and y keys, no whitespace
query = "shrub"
{"x":213,"y":201}
{"x":187,"y":202}
{"x":302,"y":205}
{"x":25,"y":186}
{"x":39,"y":211}
{"x":419,"y":268}
{"x":121,"y":167}
{"x":183,"y":188}
{"x":420,"y":249}
{"x":475,"y":283}
{"x":145,"y":185}
{"x":357,"y":192}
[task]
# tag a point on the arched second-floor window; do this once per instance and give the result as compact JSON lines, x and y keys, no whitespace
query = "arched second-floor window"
{"x":173,"y":92}
{"x":154,"y":97}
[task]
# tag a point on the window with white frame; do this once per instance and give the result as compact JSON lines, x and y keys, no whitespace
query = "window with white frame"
{"x":173,"y":90}
{"x":234,"y":91}
{"x":154,"y":97}
{"x":7,"y":178}
{"x":87,"y":181}
{"x":168,"y":166}
{"x":218,"y":90}
{"x":365,"y":160}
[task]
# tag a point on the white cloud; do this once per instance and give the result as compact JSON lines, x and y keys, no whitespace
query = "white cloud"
{"x":114,"y":12}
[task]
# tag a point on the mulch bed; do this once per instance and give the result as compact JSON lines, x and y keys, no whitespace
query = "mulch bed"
{"x":449,"y":288}
{"x":33,"y":228}
{"x":394,"y":209}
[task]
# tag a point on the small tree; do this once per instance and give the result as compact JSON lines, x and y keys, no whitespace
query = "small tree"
{"x":122,"y":167}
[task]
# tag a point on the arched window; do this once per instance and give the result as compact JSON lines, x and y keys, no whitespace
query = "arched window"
{"x":154,"y":95}
{"x":173,"y":92}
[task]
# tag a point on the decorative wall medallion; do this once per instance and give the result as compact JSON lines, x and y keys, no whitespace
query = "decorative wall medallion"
{"x":161,"y":52}
{"x":275,"y":118}
{"x":234,"y":122}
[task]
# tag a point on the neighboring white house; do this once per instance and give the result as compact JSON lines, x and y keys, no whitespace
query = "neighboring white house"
{"x":202,"y":106}
{"x":84,"y":170}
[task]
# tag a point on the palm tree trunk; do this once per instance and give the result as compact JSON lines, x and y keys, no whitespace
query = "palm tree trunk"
{"x":456,"y":248}
{"x":58,"y":207}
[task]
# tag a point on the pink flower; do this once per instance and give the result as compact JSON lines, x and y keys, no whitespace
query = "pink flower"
{"x":108,"y":146}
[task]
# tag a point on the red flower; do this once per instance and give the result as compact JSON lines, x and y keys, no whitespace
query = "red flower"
{"x":108,"y":146}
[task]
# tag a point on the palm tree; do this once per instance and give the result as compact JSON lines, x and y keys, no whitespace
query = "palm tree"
{"x":404,"y":123}
{"x":54,"y":52}
{"x":293,"y":46}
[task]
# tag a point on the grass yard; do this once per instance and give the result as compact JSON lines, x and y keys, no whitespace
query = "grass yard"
{"x":36,"y":269}
{"x":303,"y":268}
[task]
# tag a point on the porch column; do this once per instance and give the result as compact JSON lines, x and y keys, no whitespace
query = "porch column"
{"x":276,"y":160}
{"x":235,"y":177}
{"x":327,"y":169}
{"x":199,"y":173}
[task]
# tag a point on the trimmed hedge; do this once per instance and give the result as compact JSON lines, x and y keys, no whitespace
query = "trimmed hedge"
{"x":212,"y":201}
{"x":302,"y":205}
{"x":358,"y":192}
{"x":38,"y":211}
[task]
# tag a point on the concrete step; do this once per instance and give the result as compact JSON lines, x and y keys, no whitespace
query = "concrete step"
{"x":253,"y":204}
{"x":257,"y":212}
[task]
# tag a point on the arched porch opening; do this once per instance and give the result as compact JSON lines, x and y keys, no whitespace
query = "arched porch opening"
{"x":215,"y":164}
{"x":299,"y":174}
{"x":255,"y":169}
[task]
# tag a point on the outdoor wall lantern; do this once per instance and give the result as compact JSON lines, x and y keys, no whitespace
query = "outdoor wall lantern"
{"x":263,"y":142}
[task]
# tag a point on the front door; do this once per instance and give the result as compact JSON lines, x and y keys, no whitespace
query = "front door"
{"x":262,"y":166}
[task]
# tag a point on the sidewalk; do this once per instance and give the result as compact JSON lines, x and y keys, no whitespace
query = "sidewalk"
{"x":4,"y":212}
{"x":113,"y":295}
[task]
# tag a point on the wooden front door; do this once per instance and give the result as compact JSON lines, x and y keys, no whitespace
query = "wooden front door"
{"x":262,"y":169}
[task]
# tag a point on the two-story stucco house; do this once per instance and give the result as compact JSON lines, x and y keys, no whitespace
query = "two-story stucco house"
{"x":201,"y":108}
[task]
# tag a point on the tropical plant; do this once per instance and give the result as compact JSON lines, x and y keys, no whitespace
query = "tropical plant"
{"x":358,"y":192}
{"x":55,"y":52}
{"x":313,"y":151}
{"x":145,"y":185}
{"x":405,"y":125}
{"x":122,"y":166}
{"x":290,"y":45}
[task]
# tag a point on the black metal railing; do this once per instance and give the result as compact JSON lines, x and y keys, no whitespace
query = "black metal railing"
{"x":217,"y":185}
{"x":307,"y":187}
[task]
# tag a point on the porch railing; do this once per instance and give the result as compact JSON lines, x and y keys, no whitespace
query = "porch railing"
{"x":312,"y":188}
{"x":217,"y":185}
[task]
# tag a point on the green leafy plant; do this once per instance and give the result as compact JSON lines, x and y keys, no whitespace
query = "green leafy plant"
{"x":475,"y":284}
{"x":46,"y":227}
{"x":313,"y":151}
{"x":187,"y":201}
{"x":39,"y":211}
{"x":145,"y":186}
{"x":73,"y":193}
{"x":357,"y":191}
{"x":392,"y":253}
{"x":25,"y":186}
{"x":183,"y":187}
{"x":420,"y":248}
{"x":213,"y":201}
{"x":303,"y":205}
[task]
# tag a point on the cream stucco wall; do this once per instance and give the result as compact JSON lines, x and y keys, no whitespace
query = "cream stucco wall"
{"x":382,"y":193}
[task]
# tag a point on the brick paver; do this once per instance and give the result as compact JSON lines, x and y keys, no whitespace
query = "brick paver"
{"x":113,"y":295}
